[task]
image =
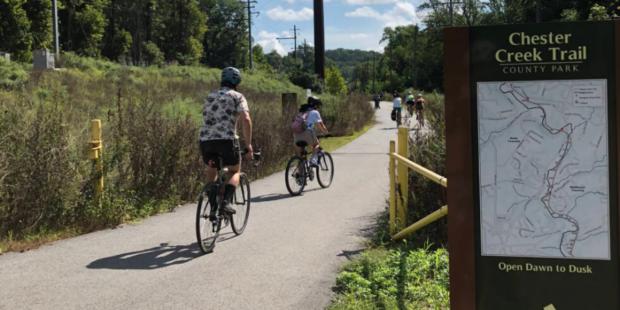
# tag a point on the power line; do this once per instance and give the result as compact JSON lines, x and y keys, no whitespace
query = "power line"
{"x":293,"y":38}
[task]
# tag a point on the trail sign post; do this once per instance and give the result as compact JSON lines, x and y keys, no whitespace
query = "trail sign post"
{"x":532,"y":142}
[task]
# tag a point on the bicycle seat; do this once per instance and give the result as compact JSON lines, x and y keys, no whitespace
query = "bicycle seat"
{"x":301,"y":143}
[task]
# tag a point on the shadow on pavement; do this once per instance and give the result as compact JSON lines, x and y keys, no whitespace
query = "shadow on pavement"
{"x":350,"y":254}
{"x":153,"y":258}
{"x":270,"y":197}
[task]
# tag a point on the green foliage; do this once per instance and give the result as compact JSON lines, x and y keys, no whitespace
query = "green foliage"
{"x":150,"y":119}
{"x":346,"y":60}
{"x":570,"y":15}
{"x":180,"y":40}
{"x":12,"y":75}
{"x":334,"y":82}
{"x":15,"y":25}
{"x":83,"y":26}
{"x":226,"y":40}
{"x":152,"y":55}
{"x":394,"y":279}
{"x":598,"y":12}
{"x":260,"y":61}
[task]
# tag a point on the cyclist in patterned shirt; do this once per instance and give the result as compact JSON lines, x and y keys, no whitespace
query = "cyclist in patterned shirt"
{"x":218,"y":138}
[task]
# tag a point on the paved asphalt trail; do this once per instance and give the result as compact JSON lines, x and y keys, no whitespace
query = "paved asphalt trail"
{"x":287,"y":258}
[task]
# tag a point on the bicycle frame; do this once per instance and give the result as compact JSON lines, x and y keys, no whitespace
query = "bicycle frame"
{"x":304,"y":156}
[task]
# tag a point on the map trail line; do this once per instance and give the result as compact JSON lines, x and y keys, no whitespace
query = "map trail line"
{"x":569,"y":244}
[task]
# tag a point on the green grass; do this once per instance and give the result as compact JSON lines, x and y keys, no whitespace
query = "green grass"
{"x":334,"y":143}
{"x":394,"y":279}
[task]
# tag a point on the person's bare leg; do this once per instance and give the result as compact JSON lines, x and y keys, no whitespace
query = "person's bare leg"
{"x":315,"y":148}
{"x":211,"y":174}
{"x":232,"y":177}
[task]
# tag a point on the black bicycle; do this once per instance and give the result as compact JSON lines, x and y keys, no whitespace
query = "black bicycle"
{"x":299,"y":171}
{"x":209,"y":220}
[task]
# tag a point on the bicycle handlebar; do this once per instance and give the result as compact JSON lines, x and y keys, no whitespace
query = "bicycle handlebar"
{"x":255,"y":156}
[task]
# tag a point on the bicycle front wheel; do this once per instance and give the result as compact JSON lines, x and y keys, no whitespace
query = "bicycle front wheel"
{"x":207,"y":223}
{"x":241,"y":204}
{"x":325,"y":169}
{"x":295,"y":176}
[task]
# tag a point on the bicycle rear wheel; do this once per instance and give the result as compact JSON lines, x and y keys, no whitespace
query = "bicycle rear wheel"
{"x":325,"y":169}
{"x":295,"y":176}
{"x":241,"y":203}
{"x":207,"y":223}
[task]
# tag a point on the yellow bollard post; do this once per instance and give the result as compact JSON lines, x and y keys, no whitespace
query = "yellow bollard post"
{"x":403,"y":176}
{"x":96,"y":147}
{"x":392,"y":188}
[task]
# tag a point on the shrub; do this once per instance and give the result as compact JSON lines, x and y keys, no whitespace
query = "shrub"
{"x":12,"y":74}
{"x":394,"y":279}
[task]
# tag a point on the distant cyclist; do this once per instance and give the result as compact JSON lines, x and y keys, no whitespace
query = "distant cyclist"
{"x":420,"y":105}
{"x":218,"y":136}
{"x":377,"y":100}
{"x":398,"y":104}
{"x":312,"y":116}
{"x":410,"y":103}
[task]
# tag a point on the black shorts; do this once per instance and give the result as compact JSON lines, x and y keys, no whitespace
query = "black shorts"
{"x":410,"y":103}
{"x":214,"y":150}
{"x":419,"y":107}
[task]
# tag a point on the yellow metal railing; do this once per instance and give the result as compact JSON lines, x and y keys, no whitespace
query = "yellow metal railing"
{"x":399,"y":188}
{"x":95,"y":147}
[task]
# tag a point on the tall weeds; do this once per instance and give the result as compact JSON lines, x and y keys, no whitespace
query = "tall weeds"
{"x":150,"y":119}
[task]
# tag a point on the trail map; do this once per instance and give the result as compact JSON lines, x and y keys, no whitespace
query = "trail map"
{"x":544,"y":182}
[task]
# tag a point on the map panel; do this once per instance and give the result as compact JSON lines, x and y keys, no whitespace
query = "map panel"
{"x":544,"y":181}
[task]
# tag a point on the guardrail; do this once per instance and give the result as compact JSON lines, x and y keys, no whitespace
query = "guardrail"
{"x":398,"y":205}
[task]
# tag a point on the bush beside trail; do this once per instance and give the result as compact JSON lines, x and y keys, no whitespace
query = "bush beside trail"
{"x":413,"y":274}
{"x":150,"y":120}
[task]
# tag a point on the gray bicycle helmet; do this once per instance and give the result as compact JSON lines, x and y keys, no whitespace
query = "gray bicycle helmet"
{"x":232,"y":75}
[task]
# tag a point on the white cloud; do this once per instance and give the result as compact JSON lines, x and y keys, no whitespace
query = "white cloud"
{"x":364,"y":11}
{"x":267,"y":35}
{"x":403,"y":13}
{"x":356,"y":36}
{"x":289,"y":15}
{"x":270,"y":45}
{"x":368,"y":2}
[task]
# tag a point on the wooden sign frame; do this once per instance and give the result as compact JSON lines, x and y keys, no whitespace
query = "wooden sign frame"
{"x":460,"y":170}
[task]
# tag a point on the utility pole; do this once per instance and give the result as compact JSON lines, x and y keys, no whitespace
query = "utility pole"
{"x":293,"y":38}
{"x":250,"y":7}
{"x":319,"y":39}
{"x":295,"y":42}
{"x":415,"y":56}
{"x":451,"y":14}
{"x":374,"y":56}
{"x":538,"y":11}
{"x":55,"y":21}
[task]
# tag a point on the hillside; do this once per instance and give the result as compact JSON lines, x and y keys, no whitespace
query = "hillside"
{"x":346,"y":60}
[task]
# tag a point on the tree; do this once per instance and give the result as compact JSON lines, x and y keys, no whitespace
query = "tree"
{"x":275,"y":61}
{"x":334,"y":82}
{"x":39,"y":13}
{"x":179,"y":29}
{"x":82,"y":25}
{"x":14,"y":31}
{"x":152,"y":55}
{"x":260,"y":61}
{"x":225,"y":41}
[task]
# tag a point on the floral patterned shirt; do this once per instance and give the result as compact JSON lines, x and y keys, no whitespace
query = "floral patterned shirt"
{"x":221,"y":112}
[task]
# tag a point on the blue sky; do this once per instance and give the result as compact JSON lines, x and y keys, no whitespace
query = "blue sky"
{"x":352,"y":24}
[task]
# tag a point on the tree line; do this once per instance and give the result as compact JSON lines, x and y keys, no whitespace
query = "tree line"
{"x":413,"y":56}
{"x":137,"y":32}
